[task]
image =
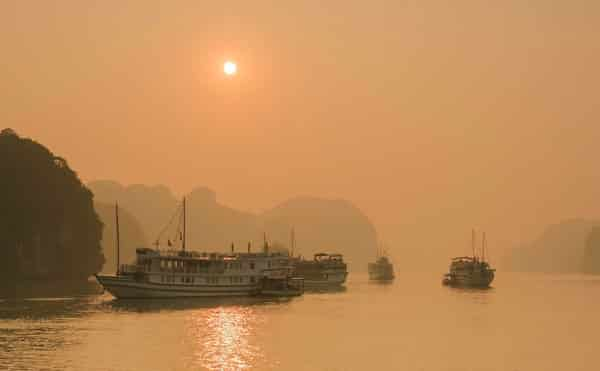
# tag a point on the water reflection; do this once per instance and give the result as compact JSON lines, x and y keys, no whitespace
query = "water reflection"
{"x":325,"y":290}
{"x":45,"y":308}
{"x":478,"y":295}
{"x":224,"y":337}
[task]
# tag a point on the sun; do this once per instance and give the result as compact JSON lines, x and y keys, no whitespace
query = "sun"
{"x":230,"y":68}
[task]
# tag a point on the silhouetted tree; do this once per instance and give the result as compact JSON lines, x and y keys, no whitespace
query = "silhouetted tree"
{"x":591,"y":254}
{"x":48,"y":226}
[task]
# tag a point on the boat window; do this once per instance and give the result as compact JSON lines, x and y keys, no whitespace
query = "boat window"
{"x":251,"y":265}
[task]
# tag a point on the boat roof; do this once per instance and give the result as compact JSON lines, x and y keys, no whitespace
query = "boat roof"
{"x":196,"y":255}
{"x":326,"y":254}
{"x":463,"y":258}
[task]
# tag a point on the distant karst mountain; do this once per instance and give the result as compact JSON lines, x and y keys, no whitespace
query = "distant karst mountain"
{"x":560,"y":249}
{"x":323,"y":225}
{"x":591,"y":253}
{"x":320,"y":224}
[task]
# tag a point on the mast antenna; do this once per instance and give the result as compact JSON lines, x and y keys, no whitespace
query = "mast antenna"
{"x":473,"y":242}
{"x":266,"y":246}
{"x":184,"y":222}
{"x":118,"y":238}
{"x":292,"y":242}
{"x":483,"y":247}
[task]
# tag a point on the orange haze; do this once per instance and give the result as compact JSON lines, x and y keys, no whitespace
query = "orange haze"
{"x":431,"y":116}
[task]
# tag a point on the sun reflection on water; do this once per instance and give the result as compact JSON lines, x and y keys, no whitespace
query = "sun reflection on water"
{"x":224,"y":338}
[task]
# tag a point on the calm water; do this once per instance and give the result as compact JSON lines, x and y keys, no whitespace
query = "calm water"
{"x":527,"y":322}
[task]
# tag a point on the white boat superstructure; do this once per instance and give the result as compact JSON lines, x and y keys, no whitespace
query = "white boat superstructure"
{"x":190,"y":274}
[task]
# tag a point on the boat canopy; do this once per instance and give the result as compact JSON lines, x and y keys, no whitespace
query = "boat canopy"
{"x":469,"y":258}
{"x":328,"y":257}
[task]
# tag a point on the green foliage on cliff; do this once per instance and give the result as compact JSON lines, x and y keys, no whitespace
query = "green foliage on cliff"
{"x":48,"y":226}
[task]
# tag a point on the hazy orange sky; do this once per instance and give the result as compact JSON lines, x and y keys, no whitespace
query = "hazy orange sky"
{"x":431,"y":116}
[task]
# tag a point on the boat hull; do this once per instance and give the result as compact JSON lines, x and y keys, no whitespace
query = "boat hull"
{"x":381,"y":277}
{"x":126,"y":288}
{"x":475,"y":279}
{"x":281,"y":293}
{"x":381,"y":273}
{"x":329,"y":282}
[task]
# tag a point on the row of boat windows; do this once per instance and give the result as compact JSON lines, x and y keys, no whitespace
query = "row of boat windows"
{"x":197,"y":267}
{"x":208,"y":280}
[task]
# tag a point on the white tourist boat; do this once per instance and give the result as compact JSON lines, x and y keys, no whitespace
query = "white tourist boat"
{"x":179,"y":273}
{"x":189,"y":274}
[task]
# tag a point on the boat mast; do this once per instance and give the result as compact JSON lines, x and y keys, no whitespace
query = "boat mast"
{"x":483,"y":248}
{"x":118,"y":236}
{"x":292,"y":242}
{"x":473,"y":242}
{"x":266,"y":245}
{"x":183,"y":239}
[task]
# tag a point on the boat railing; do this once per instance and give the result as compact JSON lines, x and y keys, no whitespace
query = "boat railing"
{"x":131,"y":268}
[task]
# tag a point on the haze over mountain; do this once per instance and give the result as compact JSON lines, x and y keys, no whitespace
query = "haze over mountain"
{"x":559,"y":249}
{"x":321,"y":225}
{"x":591,"y":254}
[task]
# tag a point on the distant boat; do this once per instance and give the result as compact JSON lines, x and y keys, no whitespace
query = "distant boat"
{"x":325,"y":270}
{"x":180,"y":273}
{"x":381,"y":270}
{"x":470,"y":271}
